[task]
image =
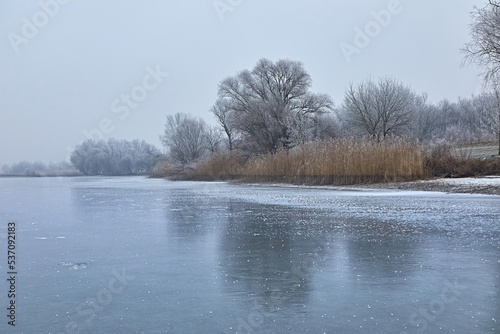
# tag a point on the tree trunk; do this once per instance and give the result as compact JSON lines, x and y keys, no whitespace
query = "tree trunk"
{"x":497,"y":95}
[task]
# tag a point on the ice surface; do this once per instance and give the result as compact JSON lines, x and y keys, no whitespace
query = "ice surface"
{"x":134,"y":255}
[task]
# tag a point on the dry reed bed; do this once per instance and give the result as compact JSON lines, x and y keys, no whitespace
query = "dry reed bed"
{"x":219,"y":166}
{"x":336,"y":161}
{"x":341,"y":161}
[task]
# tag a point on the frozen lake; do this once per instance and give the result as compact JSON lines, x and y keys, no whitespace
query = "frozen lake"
{"x":134,"y":255}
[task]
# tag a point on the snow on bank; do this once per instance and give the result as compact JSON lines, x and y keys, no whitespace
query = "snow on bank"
{"x":489,"y":185}
{"x":472,"y":181}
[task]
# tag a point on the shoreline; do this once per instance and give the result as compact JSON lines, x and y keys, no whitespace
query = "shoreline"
{"x":488,"y":185}
{"x":484,"y":185}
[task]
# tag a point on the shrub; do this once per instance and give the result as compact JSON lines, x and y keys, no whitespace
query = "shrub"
{"x":220,"y":166}
{"x":165,"y":169}
{"x":441,"y":162}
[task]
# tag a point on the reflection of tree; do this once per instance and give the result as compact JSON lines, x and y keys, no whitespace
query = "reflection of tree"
{"x":267,"y":249}
{"x":188,"y":214}
{"x":381,"y":249}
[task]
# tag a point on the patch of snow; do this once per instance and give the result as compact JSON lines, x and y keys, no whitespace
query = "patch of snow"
{"x":472,"y":181}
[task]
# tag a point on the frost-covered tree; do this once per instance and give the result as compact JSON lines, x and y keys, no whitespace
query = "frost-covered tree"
{"x":477,"y":117}
{"x":185,"y":137}
{"x":225,"y":117}
{"x":327,"y":126}
{"x":429,"y":122}
{"x":301,"y":128}
{"x":379,"y":109}
{"x":25,"y":168}
{"x":114,"y":157}
{"x":466,"y":120}
{"x":484,"y":49}
{"x":262,"y":105}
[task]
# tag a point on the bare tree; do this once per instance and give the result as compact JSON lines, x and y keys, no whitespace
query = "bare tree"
{"x":484,"y":48}
{"x":213,"y":138}
{"x":379,"y":109}
{"x":257,"y":104}
{"x":224,"y":115}
{"x":445,"y":109}
{"x":185,"y":137}
{"x":497,"y":96}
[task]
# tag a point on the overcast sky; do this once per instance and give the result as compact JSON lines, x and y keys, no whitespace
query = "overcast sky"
{"x":70,"y":68}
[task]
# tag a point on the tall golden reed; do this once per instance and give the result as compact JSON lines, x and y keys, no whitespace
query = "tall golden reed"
{"x":340,"y":162}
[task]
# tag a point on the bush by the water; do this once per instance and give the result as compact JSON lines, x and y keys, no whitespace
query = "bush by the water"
{"x":220,"y":166}
{"x":442,"y":162}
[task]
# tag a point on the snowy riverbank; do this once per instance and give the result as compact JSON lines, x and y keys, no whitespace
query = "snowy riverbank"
{"x":489,"y":185}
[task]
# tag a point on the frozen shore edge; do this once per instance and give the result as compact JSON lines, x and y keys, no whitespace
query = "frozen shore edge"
{"x":487,"y":185}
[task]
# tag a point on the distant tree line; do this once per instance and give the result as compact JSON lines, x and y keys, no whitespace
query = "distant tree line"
{"x":388,"y":108}
{"x":115,"y":157}
{"x":37,"y":168}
